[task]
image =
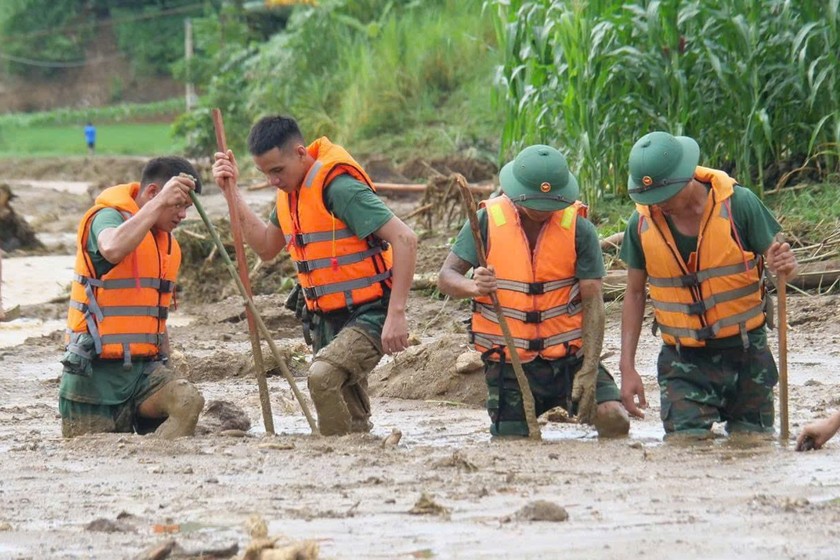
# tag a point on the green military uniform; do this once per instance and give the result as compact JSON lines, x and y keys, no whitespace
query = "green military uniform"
{"x":347,"y":333}
{"x":105,"y":397}
{"x":721,"y":381}
{"x":550,"y":380}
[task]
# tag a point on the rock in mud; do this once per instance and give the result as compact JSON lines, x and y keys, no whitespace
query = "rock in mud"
{"x":425,"y":505}
{"x":542,"y":510}
{"x":220,"y":416}
{"x":468,"y":362}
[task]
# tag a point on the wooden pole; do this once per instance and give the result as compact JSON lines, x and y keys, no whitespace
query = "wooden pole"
{"x":242,"y":265}
{"x":524,"y":387}
{"x":249,"y":302}
{"x":781,"y":289}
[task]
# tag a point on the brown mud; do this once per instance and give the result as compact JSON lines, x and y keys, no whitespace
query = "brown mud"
{"x":445,"y":490}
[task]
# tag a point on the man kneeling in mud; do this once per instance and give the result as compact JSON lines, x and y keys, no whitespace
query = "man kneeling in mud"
{"x":115,"y":377}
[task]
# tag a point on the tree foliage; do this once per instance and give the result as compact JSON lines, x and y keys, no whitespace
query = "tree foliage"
{"x":45,"y":37}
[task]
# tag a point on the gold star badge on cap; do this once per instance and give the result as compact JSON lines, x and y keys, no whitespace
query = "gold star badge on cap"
{"x":647,"y":181}
{"x":545,"y":187}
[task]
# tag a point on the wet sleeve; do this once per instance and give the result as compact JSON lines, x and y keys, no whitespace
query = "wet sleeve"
{"x":590,"y":259}
{"x":104,"y":219}
{"x":355,"y":204}
{"x":464,"y":246}
{"x":753,"y":221}
{"x":631,"y":245}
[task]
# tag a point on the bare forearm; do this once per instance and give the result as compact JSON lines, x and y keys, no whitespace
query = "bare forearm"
{"x":632,"y":314}
{"x":117,"y":243}
{"x":454,"y":284}
{"x":255,"y":231}
{"x":402,"y":271}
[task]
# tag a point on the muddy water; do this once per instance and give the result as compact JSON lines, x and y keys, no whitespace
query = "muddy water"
{"x":639,"y":496}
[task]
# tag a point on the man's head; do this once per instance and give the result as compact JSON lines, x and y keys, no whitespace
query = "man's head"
{"x":539,"y":179}
{"x":279,"y":151}
{"x":661,"y":165}
{"x":155,"y":175}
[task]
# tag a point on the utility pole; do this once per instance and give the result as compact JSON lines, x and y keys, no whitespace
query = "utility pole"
{"x":188,"y":54}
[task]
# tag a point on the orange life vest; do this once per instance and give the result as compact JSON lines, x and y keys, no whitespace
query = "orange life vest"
{"x":719,"y":292}
{"x":539,"y":294}
{"x":335,"y":268}
{"x":125,"y":310}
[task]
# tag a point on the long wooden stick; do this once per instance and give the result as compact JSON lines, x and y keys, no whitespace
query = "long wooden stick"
{"x":781,"y":289}
{"x":524,"y":387}
{"x":249,"y":302}
{"x":242,"y":265}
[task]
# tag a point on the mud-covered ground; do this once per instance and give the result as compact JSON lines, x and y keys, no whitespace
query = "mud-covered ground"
{"x":445,"y":491}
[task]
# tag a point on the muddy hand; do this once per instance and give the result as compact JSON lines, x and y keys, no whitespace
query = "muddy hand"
{"x":485,"y":280}
{"x":583,"y":393}
{"x":225,"y":169}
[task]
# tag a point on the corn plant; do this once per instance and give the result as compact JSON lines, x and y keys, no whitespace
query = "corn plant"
{"x":755,"y":82}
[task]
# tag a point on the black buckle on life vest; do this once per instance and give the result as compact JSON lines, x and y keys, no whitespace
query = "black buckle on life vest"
{"x":536,"y":288}
{"x":689,"y":280}
{"x":302,"y":266}
{"x":536,"y":344}
{"x":533,"y":316}
{"x":696,"y":308}
{"x":163,"y":312}
{"x":705,"y":332}
{"x":298,"y":240}
{"x":309,"y":293}
{"x":166,"y":286}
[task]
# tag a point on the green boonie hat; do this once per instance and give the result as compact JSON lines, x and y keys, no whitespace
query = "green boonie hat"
{"x":660,"y":166}
{"x":539,"y":179}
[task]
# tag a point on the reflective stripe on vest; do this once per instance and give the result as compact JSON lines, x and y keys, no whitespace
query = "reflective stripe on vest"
{"x":537,"y":291}
{"x":718,"y":293}
{"x":335,"y":268}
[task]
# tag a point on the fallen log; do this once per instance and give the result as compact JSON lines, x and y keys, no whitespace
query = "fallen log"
{"x":404,"y":188}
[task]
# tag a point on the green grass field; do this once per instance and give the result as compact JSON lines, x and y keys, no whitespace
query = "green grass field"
{"x":111,"y":139}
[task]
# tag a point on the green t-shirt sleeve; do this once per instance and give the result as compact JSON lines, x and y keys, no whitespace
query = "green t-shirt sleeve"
{"x":273,"y":216}
{"x":104,"y":219}
{"x":355,"y":204}
{"x":753,"y":221}
{"x":464,"y":246}
{"x":590,"y":259}
{"x":631,"y":246}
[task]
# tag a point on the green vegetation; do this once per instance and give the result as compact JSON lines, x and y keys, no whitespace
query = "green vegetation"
{"x":111,"y":139}
{"x":46,"y":38}
{"x":757,"y":82}
{"x":406,"y":77}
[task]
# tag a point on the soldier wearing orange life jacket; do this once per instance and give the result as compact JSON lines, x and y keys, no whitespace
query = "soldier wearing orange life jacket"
{"x":354,"y":260}
{"x":700,"y":242}
{"x":115,"y":377}
{"x":545,"y":264}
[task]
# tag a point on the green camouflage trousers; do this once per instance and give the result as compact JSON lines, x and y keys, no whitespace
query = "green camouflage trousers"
{"x":551,"y":385}
{"x":700,"y":386}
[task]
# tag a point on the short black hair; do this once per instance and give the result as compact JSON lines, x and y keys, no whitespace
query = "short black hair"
{"x":274,"y":131}
{"x":161,"y":169}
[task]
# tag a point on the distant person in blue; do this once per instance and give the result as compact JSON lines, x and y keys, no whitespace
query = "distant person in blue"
{"x":90,"y":137}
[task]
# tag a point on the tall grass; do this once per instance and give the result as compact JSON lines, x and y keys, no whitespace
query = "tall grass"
{"x":359,"y":69}
{"x":755,"y":82}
